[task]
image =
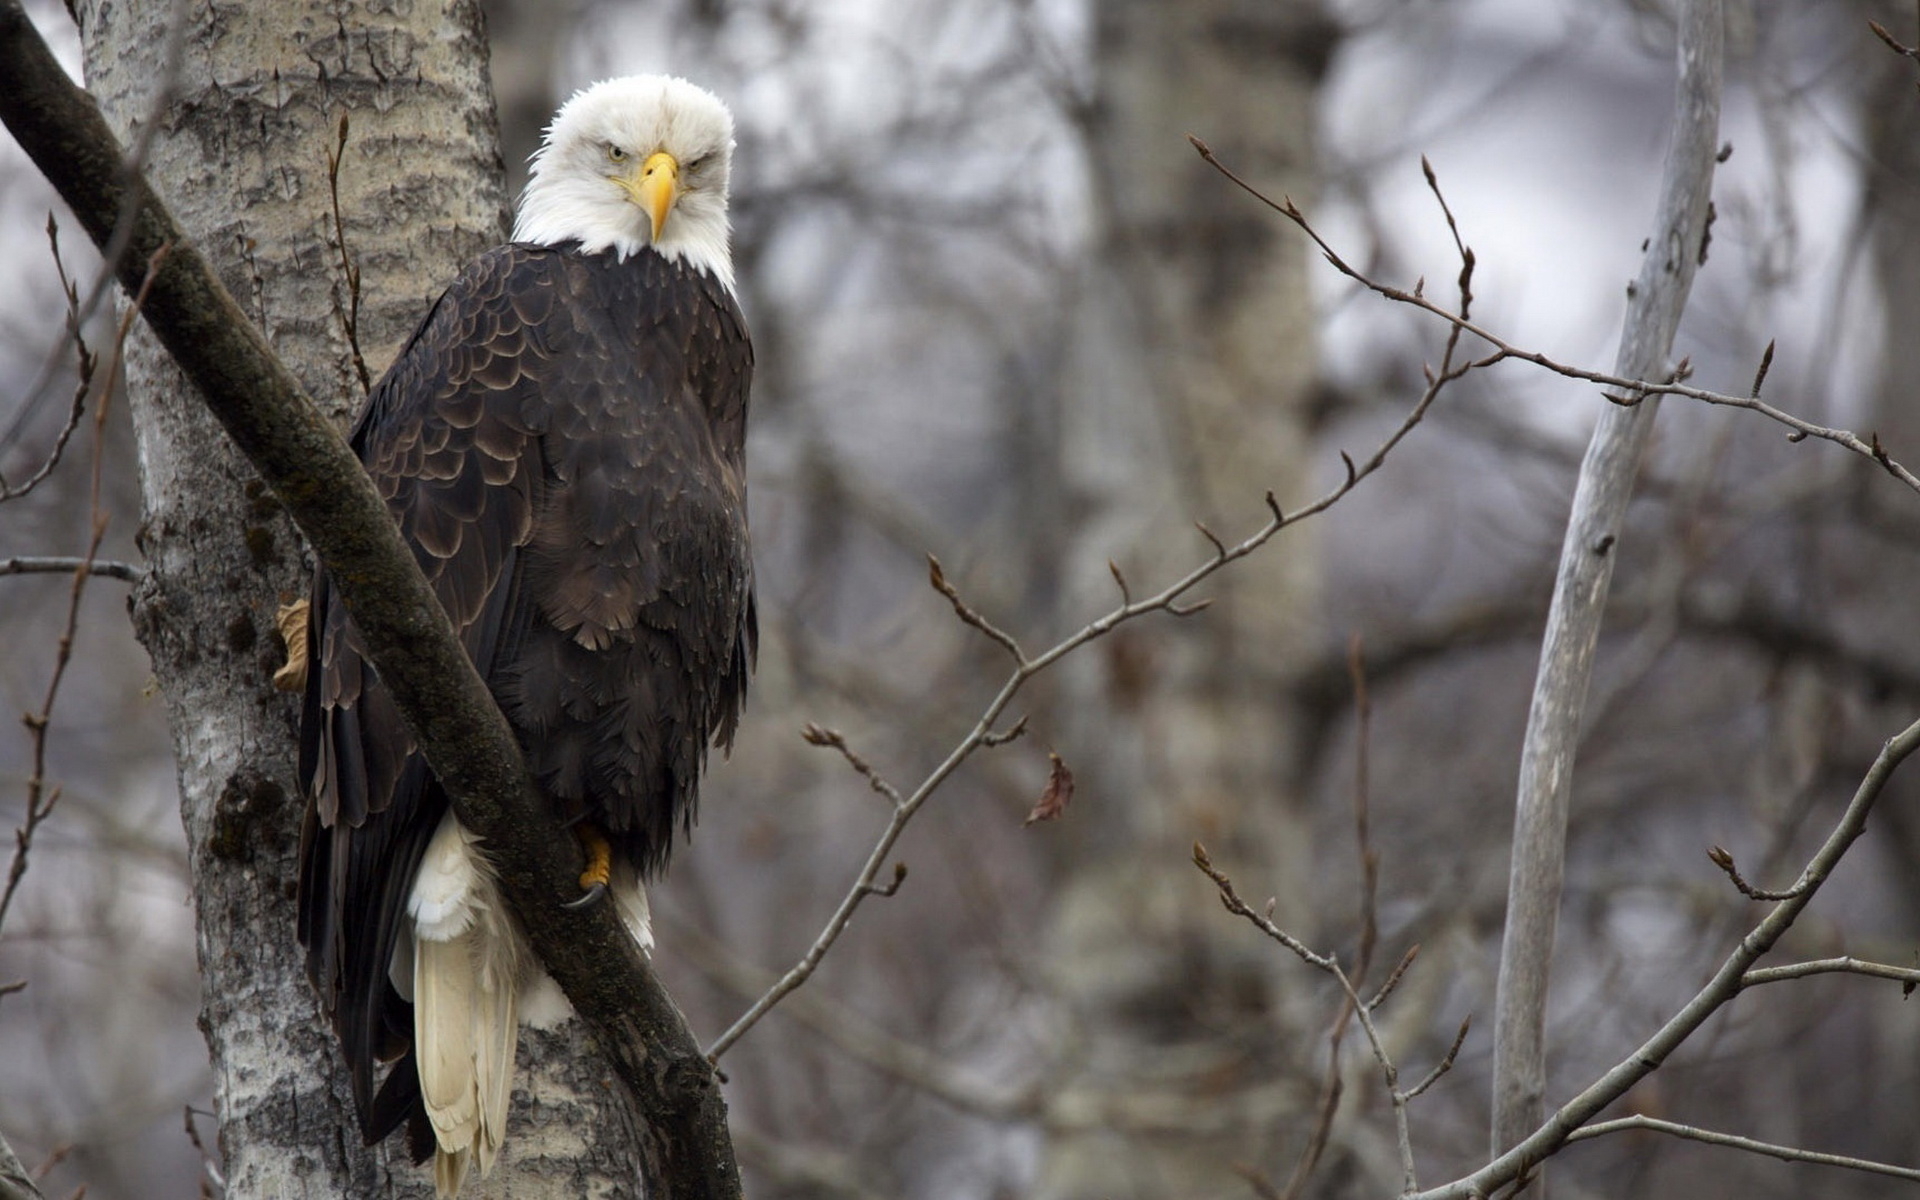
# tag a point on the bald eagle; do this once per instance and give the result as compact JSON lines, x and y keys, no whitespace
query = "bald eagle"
{"x":561,"y":442}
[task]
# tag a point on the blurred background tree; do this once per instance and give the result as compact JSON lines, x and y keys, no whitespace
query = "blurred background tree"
{"x":1005,"y":315}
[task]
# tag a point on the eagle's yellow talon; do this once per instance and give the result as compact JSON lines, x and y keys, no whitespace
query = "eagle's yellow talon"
{"x":593,"y":880}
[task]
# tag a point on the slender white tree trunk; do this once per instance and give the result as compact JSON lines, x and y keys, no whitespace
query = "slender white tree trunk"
{"x":1656,"y":300}
{"x":241,"y":107}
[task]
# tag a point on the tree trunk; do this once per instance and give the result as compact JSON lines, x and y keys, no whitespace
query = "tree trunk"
{"x":240,"y":150}
{"x":1186,"y":398}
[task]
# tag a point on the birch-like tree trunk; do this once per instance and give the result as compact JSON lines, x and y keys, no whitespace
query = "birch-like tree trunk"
{"x":1190,"y":369}
{"x":242,"y":105}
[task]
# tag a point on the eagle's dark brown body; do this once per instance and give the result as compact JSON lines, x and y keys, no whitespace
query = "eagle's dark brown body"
{"x":562,"y":445}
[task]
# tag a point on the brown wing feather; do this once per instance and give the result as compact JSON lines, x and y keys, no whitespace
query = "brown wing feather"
{"x":562,"y":443}
{"x":448,"y":441}
{"x":639,"y":565}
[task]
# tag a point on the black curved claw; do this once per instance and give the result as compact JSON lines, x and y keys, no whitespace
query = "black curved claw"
{"x":588,"y":898}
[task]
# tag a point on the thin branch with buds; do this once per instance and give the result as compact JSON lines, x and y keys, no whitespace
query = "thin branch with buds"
{"x":349,"y":311}
{"x":1725,"y":862}
{"x":1628,"y":391}
{"x":1168,"y":600}
{"x":1362,"y":1011}
{"x":1893,"y":43}
{"x":84,"y":362}
{"x":42,"y":799}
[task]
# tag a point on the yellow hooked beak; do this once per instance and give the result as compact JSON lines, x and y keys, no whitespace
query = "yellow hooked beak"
{"x":655,"y":187}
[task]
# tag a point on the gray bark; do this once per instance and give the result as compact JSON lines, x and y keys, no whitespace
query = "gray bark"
{"x":240,"y":151}
{"x":1587,"y":555}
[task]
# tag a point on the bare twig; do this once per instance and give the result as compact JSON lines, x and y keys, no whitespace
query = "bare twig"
{"x":208,"y":1162}
{"x":46,"y":565}
{"x":1446,"y":1060}
{"x":1908,"y":977}
{"x":1369,"y":863}
{"x":349,"y":312}
{"x":833,"y":739}
{"x":1394,"y":977}
{"x":1724,"y":861}
{"x":1231,"y":901}
{"x":83,"y":365}
{"x":1459,"y":244}
{"x":1695,"y":1134}
{"x":1585,"y":574}
{"x":1503,"y":350}
{"x":1011,"y":733}
{"x":1369,"y":933}
{"x":938,"y":578}
{"x":1399,"y":1098}
{"x":1893,"y":43}
{"x":42,"y":799}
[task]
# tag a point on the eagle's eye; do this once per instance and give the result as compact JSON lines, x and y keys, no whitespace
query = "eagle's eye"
{"x":616,"y":154}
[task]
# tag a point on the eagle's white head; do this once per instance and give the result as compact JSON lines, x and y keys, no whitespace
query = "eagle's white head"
{"x":635,"y":162}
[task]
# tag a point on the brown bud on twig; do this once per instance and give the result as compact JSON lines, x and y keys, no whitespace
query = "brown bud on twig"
{"x":1893,"y":43}
{"x":1724,"y":861}
{"x":1760,"y":376}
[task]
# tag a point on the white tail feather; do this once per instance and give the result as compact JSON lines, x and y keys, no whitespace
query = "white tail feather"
{"x":631,"y":895}
{"x":469,"y":964}
{"x":466,"y":968}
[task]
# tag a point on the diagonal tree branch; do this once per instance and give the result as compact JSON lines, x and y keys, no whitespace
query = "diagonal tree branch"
{"x":446,"y":706}
{"x":1733,"y":976}
{"x":1587,"y":555}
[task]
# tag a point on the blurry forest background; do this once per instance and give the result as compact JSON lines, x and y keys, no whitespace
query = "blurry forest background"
{"x":1005,"y":315}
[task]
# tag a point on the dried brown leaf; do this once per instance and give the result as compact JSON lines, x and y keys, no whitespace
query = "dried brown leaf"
{"x":1057,"y":794}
